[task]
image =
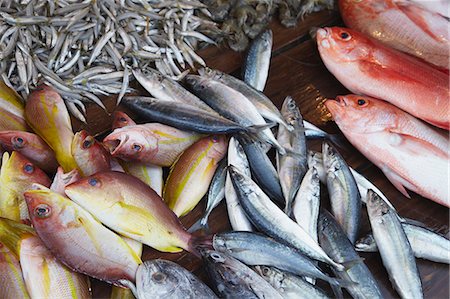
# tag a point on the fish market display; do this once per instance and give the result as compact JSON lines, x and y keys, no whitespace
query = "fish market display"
{"x":165,"y":279}
{"x":130,"y":207}
{"x":257,"y":61}
{"x":402,"y":25}
{"x":410,"y":153}
{"x":386,"y":74}
{"x":192,"y":173}
{"x":394,"y":247}
{"x":87,"y":48}
{"x":78,"y":240}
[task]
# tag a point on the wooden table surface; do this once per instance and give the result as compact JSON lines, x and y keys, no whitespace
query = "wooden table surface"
{"x":296,"y":70}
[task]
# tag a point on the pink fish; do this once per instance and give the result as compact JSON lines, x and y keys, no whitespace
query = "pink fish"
{"x":365,"y":66}
{"x":402,"y":25}
{"x":412,"y":154}
{"x":121,"y":119}
{"x":61,"y":180}
{"x":89,"y":154}
{"x":31,"y":146}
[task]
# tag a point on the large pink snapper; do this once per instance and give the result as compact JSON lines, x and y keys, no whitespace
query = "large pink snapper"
{"x":410,"y":153}
{"x":365,"y":66}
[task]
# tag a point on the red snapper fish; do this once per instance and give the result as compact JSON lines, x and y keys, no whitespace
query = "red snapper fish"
{"x":412,"y":154}
{"x":403,"y":25}
{"x":364,"y":66}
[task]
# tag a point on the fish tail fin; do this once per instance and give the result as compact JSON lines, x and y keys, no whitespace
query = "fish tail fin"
{"x":255,"y":129}
{"x":349,"y":264}
{"x":196,"y":243}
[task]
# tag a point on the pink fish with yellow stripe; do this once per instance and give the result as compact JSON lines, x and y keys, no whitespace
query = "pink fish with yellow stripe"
{"x":11,"y":110}
{"x":192,"y":173}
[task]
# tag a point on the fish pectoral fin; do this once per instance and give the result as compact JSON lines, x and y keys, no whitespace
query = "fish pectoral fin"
{"x":398,"y":182}
{"x":396,"y":138}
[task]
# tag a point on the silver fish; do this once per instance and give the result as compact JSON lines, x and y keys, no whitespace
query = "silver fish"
{"x":395,"y":249}
{"x":233,"y":279}
{"x":165,"y":279}
{"x":344,"y":194}
{"x":267,"y":217}
{"x":257,"y":60}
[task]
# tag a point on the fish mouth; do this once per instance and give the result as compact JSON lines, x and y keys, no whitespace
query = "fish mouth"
{"x":115,"y":144}
{"x":323,"y":38}
{"x":322,"y":33}
{"x":335,"y":105}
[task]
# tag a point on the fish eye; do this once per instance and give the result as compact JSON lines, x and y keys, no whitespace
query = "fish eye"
{"x":18,"y":142}
{"x":159,"y":277}
{"x":265,"y":271}
{"x":94,"y":182}
{"x":217,"y":257}
{"x":123,"y":119}
{"x":345,"y":36}
{"x":136,"y":147}
{"x":215,"y":138}
{"x":361,"y":102}
{"x":42,"y":211}
{"x":28,"y":168}
{"x":88,"y":142}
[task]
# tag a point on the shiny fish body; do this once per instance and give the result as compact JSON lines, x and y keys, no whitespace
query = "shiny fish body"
{"x":307,"y":203}
{"x":182,"y":116}
{"x":191,"y":175}
{"x":394,"y":247}
{"x":31,"y":146}
{"x":46,"y":277}
{"x":151,"y":143}
{"x":72,"y":235}
{"x":424,"y":243}
{"x":344,"y":194}
{"x":262,"y":103}
{"x":267,"y":217}
{"x":133,"y":209}
{"x":257,"y":60}
{"x":236,"y":215}
{"x":233,"y":279}
{"x":231,"y":104}
{"x":335,"y":242}
{"x":291,"y":168}
{"x":152,"y":175}
{"x":289,"y":285}
{"x":163,"y":279}
{"x":11,"y":109}
{"x":89,"y":154}
{"x":255,"y":249}
{"x":12,"y":285}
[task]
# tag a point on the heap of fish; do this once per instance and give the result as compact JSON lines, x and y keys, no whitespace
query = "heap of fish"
{"x":87,"y":48}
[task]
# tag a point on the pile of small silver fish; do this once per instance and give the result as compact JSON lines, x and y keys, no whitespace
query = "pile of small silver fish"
{"x":87,"y":48}
{"x":242,"y":20}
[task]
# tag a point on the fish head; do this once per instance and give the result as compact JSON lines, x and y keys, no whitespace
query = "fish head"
{"x":61,"y":179}
{"x":362,"y":114}
{"x":18,"y":170}
{"x":212,"y":256}
{"x":89,"y":154}
{"x":199,"y":83}
{"x":130,"y":143}
{"x":266,"y":37}
{"x":159,"y":276}
{"x":342,"y":44}
{"x":121,"y":119}
{"x":14,"y":140}
{"x":290,"y":111}
{"x":376,"y":206}
{"x":219,"y":146}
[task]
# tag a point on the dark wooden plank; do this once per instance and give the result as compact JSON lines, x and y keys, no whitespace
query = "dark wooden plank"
{"x":297,"y":70}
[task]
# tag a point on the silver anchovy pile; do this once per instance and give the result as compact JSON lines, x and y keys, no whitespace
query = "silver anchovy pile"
{"x":87,"y":48}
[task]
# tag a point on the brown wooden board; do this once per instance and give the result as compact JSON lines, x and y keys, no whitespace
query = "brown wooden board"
{"x":296,"y":70}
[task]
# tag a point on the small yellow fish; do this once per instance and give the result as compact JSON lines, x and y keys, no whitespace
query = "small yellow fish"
{"x":11,"y":110}
{"x":47,"y":115}
{"x":192,"y":173}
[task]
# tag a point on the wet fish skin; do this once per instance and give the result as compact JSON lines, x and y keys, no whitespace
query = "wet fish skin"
{"x":72,"y":235}
{"x":392,"y":139}
{"x":152,"y":143}
{"x":121,"y":119}
{"x":232,"y":105}
{"x":89,"y":154}
{"x":394,"y":247}
{"x":424,"y":243}
{"x":130,"y":207}
{"x":424,"y":91}
{"x":30,"y":146}
{"x":267,"y":217}
{"x":291,"y":168}
{"x":161,"y":278}
{"x":17,"y":174}
{"x":12,"y":284}
{"x":183,"y":116}
{"x":336,"y":244}
{"x":47,"y":115}
{"x":262,"y":168}
{"x":344,"y":194}
{"x":236,"y":215}
{"x":257,"y":60}
{"x":152,"y":175}
{"x":256,"y":249}
{"x":191,"y":175}
{"x":46,"y":277}
{"x":289,"y":285}
{"x":231,"y":278}
{"x":12,"y":110}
